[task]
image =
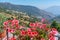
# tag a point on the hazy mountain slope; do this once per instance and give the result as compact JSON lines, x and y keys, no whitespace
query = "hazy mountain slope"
{"x":30,"y":10}
{"x":57,"y":19}
{"x":54,"y":9}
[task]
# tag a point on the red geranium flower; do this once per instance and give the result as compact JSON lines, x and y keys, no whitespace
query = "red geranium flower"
{"x":29,"y":33}
{"x":32,"y":34}
{"x":12,"y":30}
{"x":32,"y":24}
{"x":5,"y":23}
{"x":42,"y":39}
{"x":15,"y":22}
{"x":35,"y":33}
{"x":51,"y":38}
{"x":23,"y":33}
{"x":29,"y":29}
{"x":54,"y":29}
{"x":33,"y":29}
{"x":13,"y":38}
{"x":43,"y":26}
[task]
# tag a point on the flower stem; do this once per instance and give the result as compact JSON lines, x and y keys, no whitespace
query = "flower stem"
{"x":7,"y":33}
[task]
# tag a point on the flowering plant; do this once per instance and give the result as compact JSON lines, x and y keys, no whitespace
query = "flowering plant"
{"x":35,"y":31}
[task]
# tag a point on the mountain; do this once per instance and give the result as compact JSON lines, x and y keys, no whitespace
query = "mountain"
{"x":54,"y":9}
{"x":30,"y":10}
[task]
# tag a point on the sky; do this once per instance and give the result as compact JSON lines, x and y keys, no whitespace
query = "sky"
{"x":42,"y":4}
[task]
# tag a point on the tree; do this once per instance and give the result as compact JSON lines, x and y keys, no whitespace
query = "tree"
{"x":54,"y":24}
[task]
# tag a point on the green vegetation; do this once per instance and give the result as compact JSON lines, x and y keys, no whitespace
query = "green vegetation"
{"x":58,"y":28}
{"x":2,"y":19}
{"x":55,"y":25}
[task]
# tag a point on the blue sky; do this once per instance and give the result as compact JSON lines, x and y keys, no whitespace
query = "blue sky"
{"x":42,"y":4}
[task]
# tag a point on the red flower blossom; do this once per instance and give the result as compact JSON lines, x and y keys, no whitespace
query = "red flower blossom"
{"x":43,"y":26}
{"x":15,"y":22}
{"x":18,"y":27}
{"x":5,"y":23}
{"x":22,"y":27}
{"x":33,"y":29}
{"x":42,"y":39}
{"x":23,"y":33}
{"x":9,"y":30}
{"x":54,"y":29}
{"x":12,"y":30}
{"x":51,"y":38}
{"x":52,"y":33}
{"x":32,"y":25}
{"x":13,"y":38}
{"x":32,"y":34}
{"x":35,"y":33}
{"x":29,"y":33}
{"x":37,"y":24}
{"x":29,"y":29}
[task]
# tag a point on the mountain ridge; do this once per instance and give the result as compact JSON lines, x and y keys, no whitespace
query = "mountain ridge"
{"x":30,"y":10}
{"x":54,"y":9}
